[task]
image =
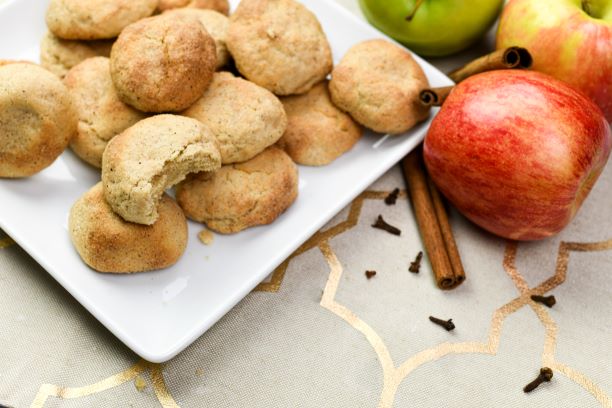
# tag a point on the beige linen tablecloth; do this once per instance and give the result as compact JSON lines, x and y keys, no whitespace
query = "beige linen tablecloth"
{"x":319,"y":334}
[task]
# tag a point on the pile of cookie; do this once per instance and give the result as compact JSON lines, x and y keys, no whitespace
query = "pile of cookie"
{"x":174,"y":93}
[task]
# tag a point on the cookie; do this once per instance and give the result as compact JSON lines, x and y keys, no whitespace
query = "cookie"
{"x":37,"y":119}
{"x":244,"y":117}
{"x":107,"y":243}
{"x":6,"y":62}
{"x":163,"y":63}
{"x":102,"y":115}
{"x":378,"y":83}
{"x":156,"y":153}
{"x":241,"y":195}
{"x":215,"y":23}
{"x":222,"y":6}
{"x":58,"y":55}
{"x":317,"y":132}
{"x":95,"y":19}
{"x":279,"y":44}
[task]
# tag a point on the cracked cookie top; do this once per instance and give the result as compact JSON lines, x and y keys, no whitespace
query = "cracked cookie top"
{"x":37,"y":119}
{"x":163,"y":63}
{"x":244,"y":117}
{"x":378,"y":83}
{"x":102,"y":115}
{"x":243,"y":195}
{"x":279,"y":44}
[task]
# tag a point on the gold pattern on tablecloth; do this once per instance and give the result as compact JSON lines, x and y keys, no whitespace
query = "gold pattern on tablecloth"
{"x":393,"y":376}
{"x":159,"y":386}
{"x":325,"y":235}
{"x":550,"y":327}
{"x":6,"y":242}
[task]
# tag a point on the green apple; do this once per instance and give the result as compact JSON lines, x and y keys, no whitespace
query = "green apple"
{"x":433,"y":28}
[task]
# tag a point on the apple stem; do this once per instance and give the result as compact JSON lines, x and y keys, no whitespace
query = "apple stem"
{"x":416,"y":7}
{"x":586,"y":7}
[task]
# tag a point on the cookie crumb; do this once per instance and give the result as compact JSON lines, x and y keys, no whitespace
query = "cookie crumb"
{"x":140,"y":383}
{"x":206,"y":237}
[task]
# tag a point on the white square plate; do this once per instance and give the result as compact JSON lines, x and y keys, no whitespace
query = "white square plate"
{"x":158,"y":314}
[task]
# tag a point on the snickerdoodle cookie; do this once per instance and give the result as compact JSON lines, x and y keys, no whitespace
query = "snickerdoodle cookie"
{"x":215,"y":23}
{"x":163,"y":63}
{"x":156,"y":153}
{"x":378,"y":83}
{"x":318,"y":132}
{"x":244,"y":117}
{"x":6,"y":62}
{"x":279,"y":44}
{"x":107,"y":243}
{"x":37,"y":119}
{"x":58,"y":55}
{"x":241,"y":195}
{"x":95,"y":19}
{"x":222,"y":6}
{"x":102,"y":115}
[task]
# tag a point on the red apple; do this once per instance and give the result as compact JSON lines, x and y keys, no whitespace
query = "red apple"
{"x":568,"y":39}
{"x":517,"y":152}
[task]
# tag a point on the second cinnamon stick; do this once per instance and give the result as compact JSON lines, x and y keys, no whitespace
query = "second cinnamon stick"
{"x":447,"y":235}
{"x":427,"y":220}
{"x":511,"y":57}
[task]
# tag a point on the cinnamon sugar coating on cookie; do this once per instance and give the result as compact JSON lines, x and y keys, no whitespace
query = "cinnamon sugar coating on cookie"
{"x":317,"y":131}
{"x":378,"y":83}
{"x":163,"y":63}
{"x":109,"y":244}
{"x":243,"y":195}
{"x":102,"y":115}
{"x":37,"y":119}
{"x":280,"y":45}
{"x":95,"y":19}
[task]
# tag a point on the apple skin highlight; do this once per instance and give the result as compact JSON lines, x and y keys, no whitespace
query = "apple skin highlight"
{"x":517,"y":152}
{"x":565,"y":42}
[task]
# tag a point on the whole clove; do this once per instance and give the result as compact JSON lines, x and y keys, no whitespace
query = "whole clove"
{"x":546,"y":374}
{"x":447,"y":324}
{"x":391,"y":199}
{"x":415,"y":266}
{"x":383,"y":225}
{"x":545,"y":300}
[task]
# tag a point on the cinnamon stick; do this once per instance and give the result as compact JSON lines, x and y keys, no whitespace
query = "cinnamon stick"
{"x":429,"y":224}
{"x":435,"y":96}
{"x":512,"y":57}
{"x":447,"y":234}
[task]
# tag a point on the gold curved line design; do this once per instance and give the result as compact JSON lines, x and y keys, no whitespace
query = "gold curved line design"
{"x":352,"y":219}
{"x":393,"y":376}
{"x":584,"y":382}
{"x":276,"y":280}
{"x":159,"y":386}
{"x":52,"y":390}
{"x":550,"y":327}
{"x":6,"y":242}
